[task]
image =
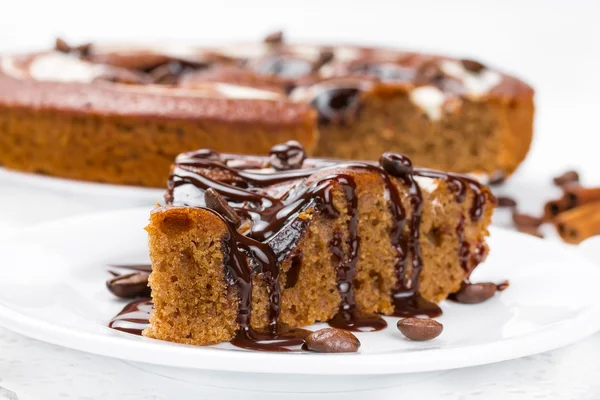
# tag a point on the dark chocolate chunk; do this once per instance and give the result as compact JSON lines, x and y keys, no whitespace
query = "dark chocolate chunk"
{"x":216,"y":202}
{"x":420,"y":329}
{"x":568,"y":177}
{"x":472,"y":66}
{"x":130,"y":285}
{"x":473,"y":293}
{"x":289,"y":155}
{"x":332,"y":340}
{"x":337,"y":105}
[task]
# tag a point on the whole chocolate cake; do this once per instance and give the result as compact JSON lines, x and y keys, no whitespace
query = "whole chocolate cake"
{"x":121,"y":114}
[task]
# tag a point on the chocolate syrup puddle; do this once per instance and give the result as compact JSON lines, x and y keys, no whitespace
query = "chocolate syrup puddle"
{"x":414,"y":305}
{"x":284,"y":340}
{"x":357,"y":321}
{"x":134,"y":318}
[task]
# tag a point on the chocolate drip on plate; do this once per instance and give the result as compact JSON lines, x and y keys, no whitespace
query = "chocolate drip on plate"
{"x":134,"y":318}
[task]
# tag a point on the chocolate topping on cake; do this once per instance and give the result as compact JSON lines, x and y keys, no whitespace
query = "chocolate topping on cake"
{"x":275,"y":224}
{"x":274,"y":63}
{"x":289,"y":155}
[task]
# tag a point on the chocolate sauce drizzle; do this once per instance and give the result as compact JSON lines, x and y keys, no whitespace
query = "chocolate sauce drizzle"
{"x":255,"y":253}
{"x":134,"y":318}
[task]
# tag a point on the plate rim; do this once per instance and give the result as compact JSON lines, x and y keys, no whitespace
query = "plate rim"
{"x":81,"y":187}
{"x":564,"y":332}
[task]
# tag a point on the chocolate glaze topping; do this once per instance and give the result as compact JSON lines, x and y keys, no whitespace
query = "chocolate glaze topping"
{"x":178,"y":80}
{"x":256,"y":251}
{"x":134,"y":317}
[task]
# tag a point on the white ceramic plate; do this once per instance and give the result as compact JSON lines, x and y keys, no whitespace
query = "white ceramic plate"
{"x":133,"y":195}
{"x":52,"y":289}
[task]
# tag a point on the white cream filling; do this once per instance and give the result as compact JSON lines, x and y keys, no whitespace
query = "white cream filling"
{"x":60,"y":67}
{"x":207,"y":89}
{"x":345,"y":53}
{"x":426,"y":184}
{"x":430,"y":99}
{"x":245,"y":92}
{"x":476,"y":83}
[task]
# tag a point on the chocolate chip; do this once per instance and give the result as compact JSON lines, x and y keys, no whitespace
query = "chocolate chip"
{"x":216,"y":202}
{"x":566,"y":178}
{"x":289,"y":155}
{"x":472,"y":66}
{"x":332,"y":340}
{"x":523,"y":220}
{"x":396,"y":164}
{"x":337,"y":105}
{"x":274,"y":38}
{"x":130,"y":285}
{"x":506,"y":202}
{"x":473,"y":293}
{"x":420,"y":328}
{"x":62,"y":46}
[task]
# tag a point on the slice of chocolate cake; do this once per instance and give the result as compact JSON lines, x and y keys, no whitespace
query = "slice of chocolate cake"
{"x":249,"y":245}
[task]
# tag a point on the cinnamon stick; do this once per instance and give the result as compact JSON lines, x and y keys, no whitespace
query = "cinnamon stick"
{"x":579,"y":195}
{"x":579,"y":223}
{"x":573,"y":196}
{"x":554,"y":207}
